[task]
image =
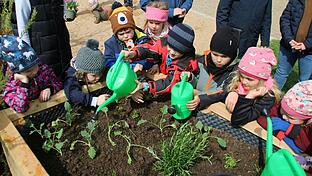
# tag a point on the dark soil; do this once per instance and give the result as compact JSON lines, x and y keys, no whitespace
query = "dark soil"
{"x":112,"y":160}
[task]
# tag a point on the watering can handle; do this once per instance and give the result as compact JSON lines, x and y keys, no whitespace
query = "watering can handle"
{"x":182,"y":84}
{"x":269,"y":145}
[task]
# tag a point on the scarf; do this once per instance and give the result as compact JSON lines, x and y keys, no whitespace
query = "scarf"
{"x":305,"y":22}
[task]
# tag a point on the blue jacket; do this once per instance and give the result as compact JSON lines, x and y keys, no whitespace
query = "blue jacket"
{"x":113,"y":47}
{"x":252,"y":17}
{"x":184,"y":4}
{"x":289,"y":23}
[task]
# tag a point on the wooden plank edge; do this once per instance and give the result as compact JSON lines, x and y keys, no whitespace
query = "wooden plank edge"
{"x":20,"y":158}
{"x":253,"y":127}
{"x":37,"y":106}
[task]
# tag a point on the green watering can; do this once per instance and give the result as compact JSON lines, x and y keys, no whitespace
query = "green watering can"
{"x":181,"y":94}
{"x":121,"y":79}
{"x":282,"y":162}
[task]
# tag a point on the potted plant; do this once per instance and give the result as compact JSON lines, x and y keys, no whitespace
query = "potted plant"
{"x":71,"y":9}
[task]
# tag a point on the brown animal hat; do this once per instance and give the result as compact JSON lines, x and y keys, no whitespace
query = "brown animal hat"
{"x":120,"y":18}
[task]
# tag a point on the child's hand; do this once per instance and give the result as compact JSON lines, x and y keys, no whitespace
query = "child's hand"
{"x":45,"y":95}
{"x":178,"y":11}
{"x":139,"y":87}
{"x":300,"y":47}
{"x":154,"y":69}
{"x":21,"y":77}
{"x":138,"y":96}
{"x":185,"y":73}
{"x":182,"y":15}
{"x":138,"y":67}
{"x":102,"y":98}
{"x":231,"y":101}
{"x":257,"y":92}
{"x":293,"y":43}
{"x":128,"y":54}
{"x":192,"y":105}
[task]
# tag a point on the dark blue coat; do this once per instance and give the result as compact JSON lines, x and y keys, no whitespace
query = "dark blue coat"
{"x":289,"y":23}
{"x":113,"y":47}
{"x":184,"y":4}
{"x":252,"y":17}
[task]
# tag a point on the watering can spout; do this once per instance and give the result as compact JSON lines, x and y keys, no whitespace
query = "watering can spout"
{"x":107,"y":102}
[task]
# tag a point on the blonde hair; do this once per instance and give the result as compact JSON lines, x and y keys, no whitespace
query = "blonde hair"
{"x":160,"y":5}
{"x":274,"y":92}
{"x":82,"y":76}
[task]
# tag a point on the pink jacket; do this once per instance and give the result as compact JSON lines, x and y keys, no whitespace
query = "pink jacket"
{"x":18,"y":95}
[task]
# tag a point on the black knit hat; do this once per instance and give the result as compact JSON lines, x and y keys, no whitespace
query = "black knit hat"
{"x":89,"y":58}
{"x":225,"y":41}
{"x":181,"y":38}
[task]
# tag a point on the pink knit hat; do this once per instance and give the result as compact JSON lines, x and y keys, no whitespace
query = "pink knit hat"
{"x":257,"y":63}
{"x":156,"y":14}
{"x":297,"y":102}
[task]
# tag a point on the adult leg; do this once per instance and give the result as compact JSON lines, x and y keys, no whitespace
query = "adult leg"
{"x":305,"y":70}
{"x":286,"y":61}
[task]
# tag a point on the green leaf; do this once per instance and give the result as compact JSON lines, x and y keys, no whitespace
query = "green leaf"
{"x":91,"y":125}
{"x":221,"y":142}
{"x":59,"y":133}
{"x":68,"y":118}
{"x":47,"y":133}
{"x":117,"y":133}
{"x":126,"y":124}
{"x":47,"y":146}
{"x":173,"y":125}
{"x":105,"y":110}
{"x":54,"y":123}
{"x":207,"y":128}
{"x":85,"y":134}
{"x":141,"y":121}
{"x":164,"y":110}
{"x":67,"y":106}
{"x":199,"y":125}
{"x":59,"y":145}
{"x":91,"y":152}
{"x":129,"y":160}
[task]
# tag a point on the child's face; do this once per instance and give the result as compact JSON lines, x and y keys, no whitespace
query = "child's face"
{"x":249,"y":82}
{"x":173,"y":54}
{"x":291,"y":119}
{"x":31,"y":72}
{"x":93,"y":78}
{"x":125,"y":34}
{"x":155,"y":26}
{"x":219,"y":59}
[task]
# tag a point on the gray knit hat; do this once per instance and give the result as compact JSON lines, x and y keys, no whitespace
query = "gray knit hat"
{"x":89,"y":58}
{"x":181,"y":38}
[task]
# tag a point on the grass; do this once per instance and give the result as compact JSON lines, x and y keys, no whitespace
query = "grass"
{"x":293,"y":76}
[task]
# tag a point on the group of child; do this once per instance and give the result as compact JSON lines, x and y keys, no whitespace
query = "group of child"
{"x":245,"y":86}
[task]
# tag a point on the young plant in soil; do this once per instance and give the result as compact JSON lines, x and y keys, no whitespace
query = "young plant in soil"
{"x":52,"y":137}
{"x":69,"y":115}
{"x":181,"y":151}
{"x":230,"y":161}
{"x":127,"y":139}
{"x":161,"y":125}
{"x":87,"y":135}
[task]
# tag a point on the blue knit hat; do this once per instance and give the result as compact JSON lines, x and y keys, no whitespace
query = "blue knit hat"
{"x":17,"y":53}
{"x":181,"y":38}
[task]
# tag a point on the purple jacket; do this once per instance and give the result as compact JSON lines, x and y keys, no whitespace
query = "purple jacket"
{"x":18,"y":95}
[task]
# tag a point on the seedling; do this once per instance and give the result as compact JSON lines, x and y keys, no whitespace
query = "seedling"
{"x":230,"y":161}
{"x":69,"y":115}
{"x":52,"y":138}
{"x":200,"y":126}
{"x":87,"y":135}
{"x":181,"y":151}
{"x":120,"y":124}
{"x":105,"y":110}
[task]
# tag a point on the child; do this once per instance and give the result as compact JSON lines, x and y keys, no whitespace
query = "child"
{"x":86,"y":68}
{"x":126,"y":36}
{"x":292,"y":120}
{"x":217,"y":64}
{"x":296,"y":42}
{"x":177,"y":9}
{"x":156,"y":25}
{"x":31,"y":79}
{"x":100,"y":11}
{"x":176,"y":55}
{"x":251,"y":90}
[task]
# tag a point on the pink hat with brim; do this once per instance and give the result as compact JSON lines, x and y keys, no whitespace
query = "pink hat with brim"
{"x":156,"y":14}
{"x":297,"y":102}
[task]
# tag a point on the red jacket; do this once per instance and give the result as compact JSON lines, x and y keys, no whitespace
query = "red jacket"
{"x":301,"y":135}
{"x":159,"y":52}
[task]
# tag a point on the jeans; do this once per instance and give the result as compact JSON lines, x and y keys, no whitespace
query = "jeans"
{"x":286,"y":61}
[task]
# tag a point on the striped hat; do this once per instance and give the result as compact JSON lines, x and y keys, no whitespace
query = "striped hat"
{"x":181,"y":38}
